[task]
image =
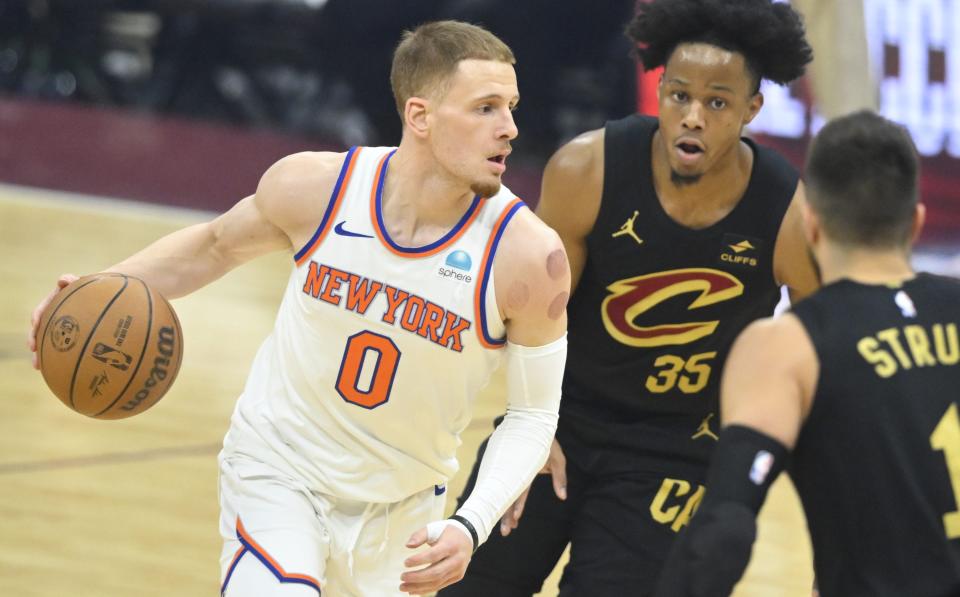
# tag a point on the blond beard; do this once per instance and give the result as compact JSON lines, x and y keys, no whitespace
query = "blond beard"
{"x":485,"y":189}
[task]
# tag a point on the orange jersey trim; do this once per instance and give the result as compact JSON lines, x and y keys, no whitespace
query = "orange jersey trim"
{"x":261,"y":554}
{"x":329,"y":214}
{"x":376,"y":195}
{"x":486,"y":270}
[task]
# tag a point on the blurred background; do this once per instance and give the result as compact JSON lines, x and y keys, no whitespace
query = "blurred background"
{"x":186,"y":102}
{"x":115,"y":115}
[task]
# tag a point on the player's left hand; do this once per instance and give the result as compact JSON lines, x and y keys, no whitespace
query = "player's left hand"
{"x":446,"y":561}
{"x":64,"y":281}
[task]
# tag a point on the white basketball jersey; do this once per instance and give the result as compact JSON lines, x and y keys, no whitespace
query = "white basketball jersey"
{"x":368,"y":378}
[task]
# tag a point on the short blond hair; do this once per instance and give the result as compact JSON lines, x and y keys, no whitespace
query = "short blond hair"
{"x":428,"y":56}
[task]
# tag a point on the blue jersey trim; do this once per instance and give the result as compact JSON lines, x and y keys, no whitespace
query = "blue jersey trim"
{"x":488,"y":271}
{"x":233,"y":566}
{"x":330,"y":206}
{"x":414,"y":250}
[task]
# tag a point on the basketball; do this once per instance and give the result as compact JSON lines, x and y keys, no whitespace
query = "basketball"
{"x":109,"y":346}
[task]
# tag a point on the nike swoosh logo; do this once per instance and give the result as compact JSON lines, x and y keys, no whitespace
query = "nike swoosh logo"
{"x":339,"y":229}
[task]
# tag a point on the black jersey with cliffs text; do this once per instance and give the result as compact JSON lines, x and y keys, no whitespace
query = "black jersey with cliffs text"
{"x":659,"y":305}
{"x":877,"y":463}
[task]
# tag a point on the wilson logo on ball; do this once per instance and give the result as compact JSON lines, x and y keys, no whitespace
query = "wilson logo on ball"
{"x":166,"y":342}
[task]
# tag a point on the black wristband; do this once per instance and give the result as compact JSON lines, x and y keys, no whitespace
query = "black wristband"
{"x":469,"y":526}
{"x":743,"y":466}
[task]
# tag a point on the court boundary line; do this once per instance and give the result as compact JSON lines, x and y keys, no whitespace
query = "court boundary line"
{"x":53,"y":464}
{"x":117,"y":206}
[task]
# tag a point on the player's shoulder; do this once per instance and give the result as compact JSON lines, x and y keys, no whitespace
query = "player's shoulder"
{"x":306,"y":172}
{"x":527,"y":237}
{"x":297,"y":186}
{"x":579,"y":157}
{"x":573,"y":185}
{"x":532,"y":251}
{"x":772,"y":328}
{"x":775,"y":340}
{"x":776,"y":348}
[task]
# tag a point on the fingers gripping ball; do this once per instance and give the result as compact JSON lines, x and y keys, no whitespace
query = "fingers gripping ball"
{"x":109,"y":346}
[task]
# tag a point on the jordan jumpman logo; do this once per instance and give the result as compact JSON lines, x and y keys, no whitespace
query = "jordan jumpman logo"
{"x":704,"y":429}
{"x":627,"y":228}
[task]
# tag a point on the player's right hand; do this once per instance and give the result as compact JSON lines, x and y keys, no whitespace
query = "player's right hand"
{"x":62,"y":282}
{"x":443,"y":564}
{"x":556,"y":467}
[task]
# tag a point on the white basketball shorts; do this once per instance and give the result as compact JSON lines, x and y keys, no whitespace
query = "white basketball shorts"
{"x":282,"y":540}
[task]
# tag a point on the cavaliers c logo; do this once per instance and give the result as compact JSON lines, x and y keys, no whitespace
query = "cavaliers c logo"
{"x":632,"y":297}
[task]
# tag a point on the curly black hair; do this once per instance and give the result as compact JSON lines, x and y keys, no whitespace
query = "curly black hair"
{"x":769,"y":35}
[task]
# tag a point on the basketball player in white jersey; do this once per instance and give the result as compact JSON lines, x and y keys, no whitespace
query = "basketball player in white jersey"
{"x":415,"y":273}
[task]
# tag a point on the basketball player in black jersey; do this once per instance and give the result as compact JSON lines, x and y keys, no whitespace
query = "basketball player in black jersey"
{"x":860,"y":381}
{"x":679,"y":233}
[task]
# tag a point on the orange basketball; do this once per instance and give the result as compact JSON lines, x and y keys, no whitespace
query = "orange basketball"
{"x":109,"y":346}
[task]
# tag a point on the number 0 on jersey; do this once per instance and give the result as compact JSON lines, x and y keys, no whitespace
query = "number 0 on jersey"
{"x":358,"y":350}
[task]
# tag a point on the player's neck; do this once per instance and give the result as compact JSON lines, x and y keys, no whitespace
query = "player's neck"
{"x":867,"y":266}
{"x":417,"y":194}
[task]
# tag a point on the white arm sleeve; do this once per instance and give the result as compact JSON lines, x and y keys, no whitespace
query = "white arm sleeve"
{"x":519,"y":446}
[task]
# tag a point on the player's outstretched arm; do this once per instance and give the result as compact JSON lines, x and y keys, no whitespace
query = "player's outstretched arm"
{"x":289,"y":200}
{"x":766,"y":393}
{"x":287,"y":206}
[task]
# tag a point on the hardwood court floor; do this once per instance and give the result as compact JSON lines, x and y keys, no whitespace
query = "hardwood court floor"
{"x":129,"y":508}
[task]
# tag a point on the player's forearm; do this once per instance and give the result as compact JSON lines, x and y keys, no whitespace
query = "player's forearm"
{"x":710,"y":556}
{"x":519,"y":447}
{"x":180,"y":262}
{"x":517,"y":450}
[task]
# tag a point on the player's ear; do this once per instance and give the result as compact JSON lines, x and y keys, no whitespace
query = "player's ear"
{"x":811,"y":223}
{"x":919,"y":217}
{"x":415,"y":115}
{"x":753,"y":107}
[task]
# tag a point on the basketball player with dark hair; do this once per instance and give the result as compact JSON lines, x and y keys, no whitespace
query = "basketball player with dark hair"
{"x":854,"y":392}
{"x":415,"y":273}
{"x":679,"y":232}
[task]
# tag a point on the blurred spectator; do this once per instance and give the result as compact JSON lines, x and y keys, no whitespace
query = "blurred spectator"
{"x":313,"y":67}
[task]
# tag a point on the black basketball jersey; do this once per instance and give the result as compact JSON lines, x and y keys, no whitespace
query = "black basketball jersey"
{"x":659,"y":305}
{"x":877,"y":463}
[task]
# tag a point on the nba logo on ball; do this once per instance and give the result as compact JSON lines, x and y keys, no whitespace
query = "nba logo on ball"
{"x":460,"y":260}
{"x":761,"y":467}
